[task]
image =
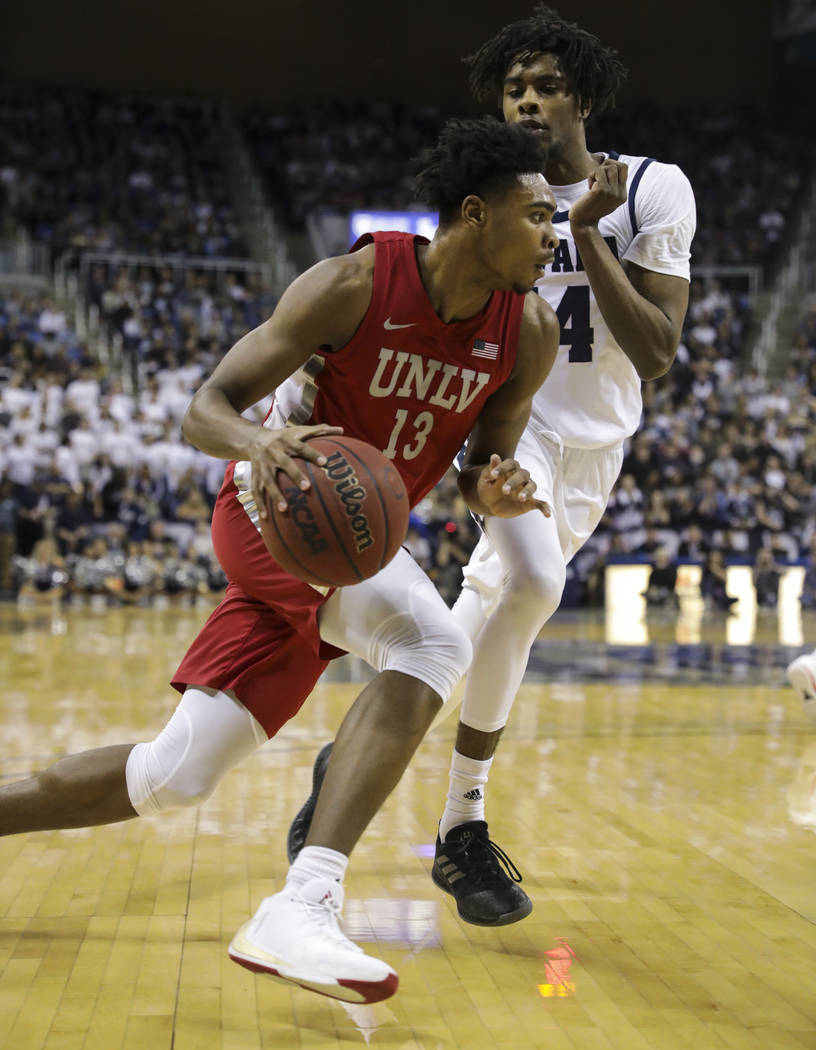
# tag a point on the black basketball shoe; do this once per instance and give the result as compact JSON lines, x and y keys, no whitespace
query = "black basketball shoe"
{"x":299,"y":828}
{"x":467,"y":866}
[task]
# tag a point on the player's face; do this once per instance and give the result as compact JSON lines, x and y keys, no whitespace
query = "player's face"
{"x":536,"y":95}
{"x":519,"y":236}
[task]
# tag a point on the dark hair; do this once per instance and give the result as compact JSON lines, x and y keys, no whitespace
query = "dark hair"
{"x":484,"y":157}
{"x":594,"y":73}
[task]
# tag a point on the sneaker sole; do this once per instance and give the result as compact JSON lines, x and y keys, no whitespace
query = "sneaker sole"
{"x":349,"y":990}
{"x":299,"y":828}
{"x":503,"y":920}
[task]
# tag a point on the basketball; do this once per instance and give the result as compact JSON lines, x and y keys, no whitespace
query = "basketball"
{"x":348,"y":525}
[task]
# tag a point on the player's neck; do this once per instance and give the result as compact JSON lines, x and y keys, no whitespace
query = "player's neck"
{"x":570,"y":164}
{"x":446,"y":273}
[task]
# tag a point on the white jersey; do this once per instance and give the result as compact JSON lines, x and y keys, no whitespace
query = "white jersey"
{"x":591,"y":398}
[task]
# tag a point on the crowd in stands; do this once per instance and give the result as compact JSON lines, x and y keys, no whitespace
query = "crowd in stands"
{"x":160,"y":314}
{"x":83,"y":170}
{"x":89,"y":472}
{"x":747,"y":176}
{"x":340,"y":156}
{"x":99,"y":494}
{"x":724,"y":468}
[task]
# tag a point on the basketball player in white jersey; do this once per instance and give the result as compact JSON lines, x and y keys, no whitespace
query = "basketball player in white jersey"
{"x":619,"y":286}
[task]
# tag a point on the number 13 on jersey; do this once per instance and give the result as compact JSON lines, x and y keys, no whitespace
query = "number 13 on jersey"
{"x":422,"y":424}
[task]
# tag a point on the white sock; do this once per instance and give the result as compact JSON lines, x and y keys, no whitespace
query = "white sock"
{"x":317,"y":862}
{"x":465,"y":801}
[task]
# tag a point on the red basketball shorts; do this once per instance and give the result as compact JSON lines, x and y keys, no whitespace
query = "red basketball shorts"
{"x":262,"y":641}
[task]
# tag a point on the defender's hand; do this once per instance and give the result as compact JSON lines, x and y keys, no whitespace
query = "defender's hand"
{"x":274,"y":450}
{"x":607,"y":191}
{"x":506,"y":490}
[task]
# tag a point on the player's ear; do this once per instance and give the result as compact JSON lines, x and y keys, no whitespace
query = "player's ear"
{"x":585,"y":109}
{"x":473,"y":210}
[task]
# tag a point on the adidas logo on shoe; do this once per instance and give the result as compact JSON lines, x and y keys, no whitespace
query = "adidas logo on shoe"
{"x":473,"y":796}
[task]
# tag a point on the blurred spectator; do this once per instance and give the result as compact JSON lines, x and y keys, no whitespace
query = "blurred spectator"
{"x":42,"y":577}
{"x":660,"y":591}
{"x":93,"y":570}
{"x":73,"y":522}
{"x":451,"y":556}
{"x":693,"y":547}
{"x":626,"y":510}
{"x":808,"y":598}
{"x":140,"y":574}
{"x":712,"y":582}
{"x":418,"y":545}
{"x":766,"y":575}
{"x":8,"y":530}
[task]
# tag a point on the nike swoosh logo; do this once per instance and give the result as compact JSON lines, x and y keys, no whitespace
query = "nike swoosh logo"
{"x":389,"y":327}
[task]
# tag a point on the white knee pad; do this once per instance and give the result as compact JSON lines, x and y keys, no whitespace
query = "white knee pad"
{"x":209,"y":733}
{"x":437,"y":653}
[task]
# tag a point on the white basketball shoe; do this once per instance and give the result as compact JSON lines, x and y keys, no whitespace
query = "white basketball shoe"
{"x":295,"y":936}
{"x":802,"y":676}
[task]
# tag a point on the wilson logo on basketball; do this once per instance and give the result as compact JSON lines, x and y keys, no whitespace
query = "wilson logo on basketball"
{"x":304,"y":521}
{"x":338,"y":531}
{"x":352,"y":495}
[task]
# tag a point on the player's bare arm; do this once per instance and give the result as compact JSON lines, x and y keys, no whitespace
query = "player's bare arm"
{"x":643,"y":309}
{"x":323,"y":307}
{"x":491,"y":480}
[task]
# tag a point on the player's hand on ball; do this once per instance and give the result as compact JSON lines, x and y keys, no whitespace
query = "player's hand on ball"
{"x":274,"y":450}
{"x":506,"y":489}
{"x":607,"y":191}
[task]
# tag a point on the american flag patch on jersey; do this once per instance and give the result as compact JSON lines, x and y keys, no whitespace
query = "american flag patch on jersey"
{"x":483,"y":349}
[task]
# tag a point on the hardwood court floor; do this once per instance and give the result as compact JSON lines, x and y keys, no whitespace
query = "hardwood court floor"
{"x":659,"y":809}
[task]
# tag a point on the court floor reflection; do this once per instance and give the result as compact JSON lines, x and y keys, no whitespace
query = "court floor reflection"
{"x":659,"y":798}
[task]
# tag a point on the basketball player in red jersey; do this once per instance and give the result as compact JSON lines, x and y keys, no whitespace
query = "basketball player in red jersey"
{"x":414,"y":347}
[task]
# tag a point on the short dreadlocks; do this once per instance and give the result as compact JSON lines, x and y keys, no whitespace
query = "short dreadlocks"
{"x":594,"y":73}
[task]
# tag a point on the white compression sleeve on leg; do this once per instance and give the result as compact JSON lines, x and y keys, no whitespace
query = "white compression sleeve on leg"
{"x":534,"y":575}
{"x":397,"y":621}
{"x":208,"y":734}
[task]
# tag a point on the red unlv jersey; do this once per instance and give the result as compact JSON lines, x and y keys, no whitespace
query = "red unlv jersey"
{"x":407,"y":383}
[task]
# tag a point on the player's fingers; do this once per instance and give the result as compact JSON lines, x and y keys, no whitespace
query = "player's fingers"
{"x":618,"y":174}
{"x":266,"y":491}
{"x":610,"y":175}
{"x":271,"y":474}
{"x":612,"y":165}
{"x":304,"y":435}
{"x":524,"y":493}
{"x":517,"y":481}
{"x":494,"y":466}
{"x":288,"y":465}
{"x":542,"y":505}
{"x":502,"y":468}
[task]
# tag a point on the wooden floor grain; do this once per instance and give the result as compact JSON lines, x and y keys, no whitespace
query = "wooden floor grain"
{"x":661,"y":805}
